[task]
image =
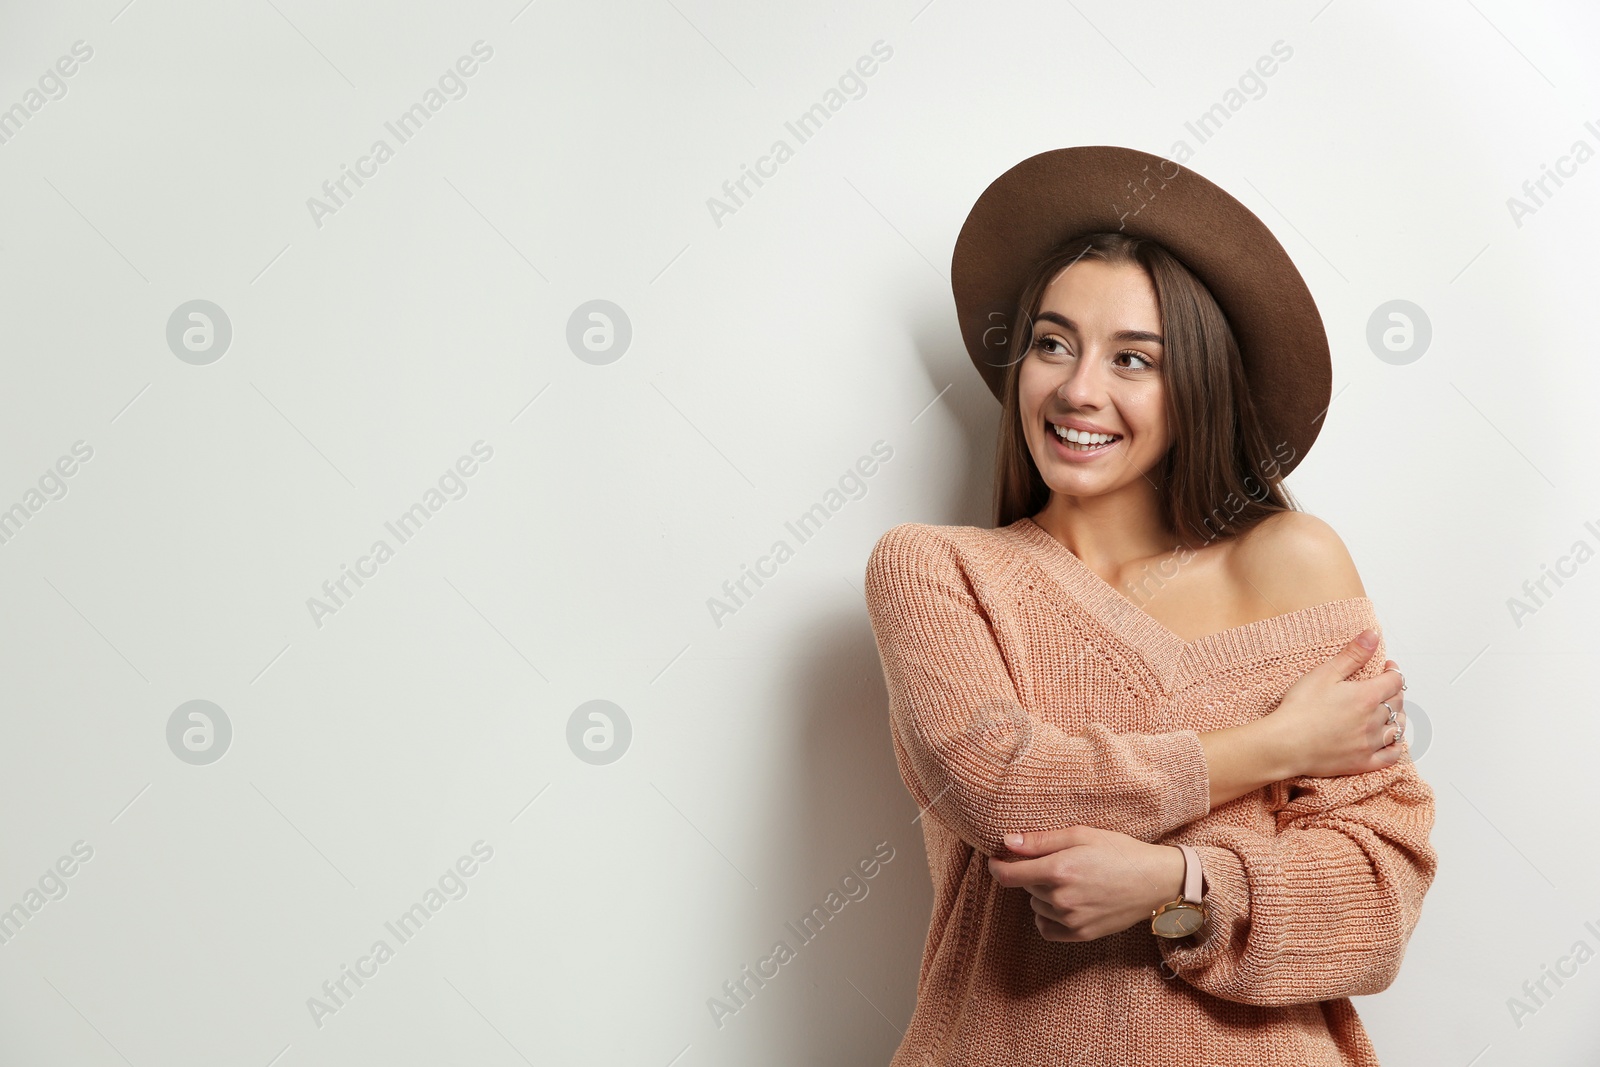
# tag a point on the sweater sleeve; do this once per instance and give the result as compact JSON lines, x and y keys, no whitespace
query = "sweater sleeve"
{"x":972,"y":756}
{"x":1324,"y":907}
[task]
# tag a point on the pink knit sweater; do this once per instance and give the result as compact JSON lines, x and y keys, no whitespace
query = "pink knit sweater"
{"x":1027,"y":693}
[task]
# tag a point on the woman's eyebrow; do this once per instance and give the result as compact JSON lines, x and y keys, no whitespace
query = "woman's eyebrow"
{"x":1120,"y":335}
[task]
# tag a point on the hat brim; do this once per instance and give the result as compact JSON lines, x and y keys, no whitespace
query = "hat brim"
{"x":1029,"y":210}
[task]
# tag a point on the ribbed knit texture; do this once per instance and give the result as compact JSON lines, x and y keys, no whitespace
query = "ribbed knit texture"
{"x":1027,"y":693}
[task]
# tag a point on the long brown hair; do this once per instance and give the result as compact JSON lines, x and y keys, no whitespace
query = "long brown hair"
{"x":1220,"y":477}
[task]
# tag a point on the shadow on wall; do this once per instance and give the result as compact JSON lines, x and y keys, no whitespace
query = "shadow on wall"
{"x":857,"y":978}
{"x":952,"y":444}
{"x":951,"y":447}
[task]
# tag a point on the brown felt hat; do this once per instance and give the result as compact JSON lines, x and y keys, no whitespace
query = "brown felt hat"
{"x":1027,"y":212}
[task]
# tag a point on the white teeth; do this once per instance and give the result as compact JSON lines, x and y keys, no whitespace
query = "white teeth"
{"x":1083,"y":438}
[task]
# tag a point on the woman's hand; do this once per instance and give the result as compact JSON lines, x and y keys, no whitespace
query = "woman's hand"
{"x":1087,"y":882}
{"x":1328,"y":724}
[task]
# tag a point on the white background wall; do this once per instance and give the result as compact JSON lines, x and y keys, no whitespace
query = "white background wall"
{"x":768,"y":352}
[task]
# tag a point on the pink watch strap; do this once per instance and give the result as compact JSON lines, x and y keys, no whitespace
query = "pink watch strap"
{"x":1193,"y":876}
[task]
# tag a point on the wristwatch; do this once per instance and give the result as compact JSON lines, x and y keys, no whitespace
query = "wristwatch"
{"x":1185,"y":915}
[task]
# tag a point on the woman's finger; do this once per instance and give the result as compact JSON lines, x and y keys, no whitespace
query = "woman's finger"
{"x":1025,"y":874}
{"x":1349,"y":659}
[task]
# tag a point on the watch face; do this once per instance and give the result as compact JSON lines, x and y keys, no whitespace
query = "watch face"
{"x":1179,"y":921}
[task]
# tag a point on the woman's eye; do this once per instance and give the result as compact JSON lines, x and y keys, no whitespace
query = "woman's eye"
{"x":1056,"y":347}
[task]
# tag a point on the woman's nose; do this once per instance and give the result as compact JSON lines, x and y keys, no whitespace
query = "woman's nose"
{"x":1082,"y":385}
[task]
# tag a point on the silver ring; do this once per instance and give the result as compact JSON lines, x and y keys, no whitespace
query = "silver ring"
{"x":1398,"y":671}
{"x":1394,"y":716}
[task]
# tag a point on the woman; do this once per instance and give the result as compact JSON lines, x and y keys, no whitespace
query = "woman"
{"x":1167,"y":808}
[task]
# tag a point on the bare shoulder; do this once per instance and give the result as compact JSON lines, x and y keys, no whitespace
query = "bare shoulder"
{"x":1295,"y":560}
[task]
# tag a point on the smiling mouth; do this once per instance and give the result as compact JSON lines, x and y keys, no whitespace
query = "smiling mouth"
{"x":1080,"y":441}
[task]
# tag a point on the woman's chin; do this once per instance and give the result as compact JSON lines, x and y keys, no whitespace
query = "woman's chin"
{"x":1076,"y":484}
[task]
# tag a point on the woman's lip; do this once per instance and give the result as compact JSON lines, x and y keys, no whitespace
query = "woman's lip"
{"x":1049,"y":425}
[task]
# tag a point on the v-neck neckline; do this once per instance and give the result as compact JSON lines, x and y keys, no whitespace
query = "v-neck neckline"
{"x":1173,"y":657}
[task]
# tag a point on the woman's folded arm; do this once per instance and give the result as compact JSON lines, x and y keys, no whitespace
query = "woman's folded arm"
{"x":972,"y":755}
{"x":1324,"y":907}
